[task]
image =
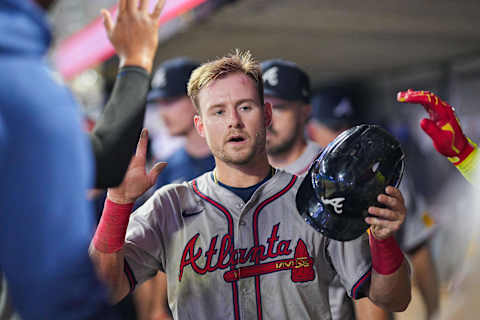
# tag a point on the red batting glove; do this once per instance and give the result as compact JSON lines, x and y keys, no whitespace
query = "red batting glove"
{"x":442,"y":126}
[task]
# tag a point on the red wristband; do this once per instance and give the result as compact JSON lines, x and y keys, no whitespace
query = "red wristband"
{"x":386,"y":254}
{"x":110,"y":234}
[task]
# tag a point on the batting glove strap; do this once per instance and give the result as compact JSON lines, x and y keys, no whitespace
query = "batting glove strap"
{"x":111,"y":230}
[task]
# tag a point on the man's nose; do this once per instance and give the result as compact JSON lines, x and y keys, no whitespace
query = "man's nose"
{"x":234,"y":120}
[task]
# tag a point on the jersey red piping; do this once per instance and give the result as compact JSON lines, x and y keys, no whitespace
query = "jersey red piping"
{"x":231,"y":232}
{"x":256,"y":240}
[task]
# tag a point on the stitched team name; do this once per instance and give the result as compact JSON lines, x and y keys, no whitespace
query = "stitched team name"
{"x":226,"y":256}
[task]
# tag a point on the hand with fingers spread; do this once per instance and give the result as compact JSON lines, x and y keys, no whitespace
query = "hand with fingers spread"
{"x":385,"y":222}
{"x":136,"y":180}
{"x":134,"y":34}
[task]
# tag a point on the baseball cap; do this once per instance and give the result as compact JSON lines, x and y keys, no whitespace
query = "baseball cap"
{"x":285,"y":80}
{"x":171,"y":78}
{"x":334,"y":108}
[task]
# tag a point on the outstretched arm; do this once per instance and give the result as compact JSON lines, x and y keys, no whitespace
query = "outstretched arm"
{"x":134,"y":36}
{"x":445,"y":130}
{"x":105,"y":248}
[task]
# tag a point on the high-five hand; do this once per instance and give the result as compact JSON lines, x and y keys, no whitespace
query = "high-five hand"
{"x":136,"y":180}
{"x":134,"y":35}
{"x":442,"y":126}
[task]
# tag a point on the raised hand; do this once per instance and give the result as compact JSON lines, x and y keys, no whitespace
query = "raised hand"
{"x":442,"y":125}
{"x":385,"y":222}
{"x":134,"y":35}
{"x":136,"y":180}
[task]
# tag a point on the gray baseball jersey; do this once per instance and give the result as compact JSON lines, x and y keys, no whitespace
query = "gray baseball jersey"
{"x":226,"y":259}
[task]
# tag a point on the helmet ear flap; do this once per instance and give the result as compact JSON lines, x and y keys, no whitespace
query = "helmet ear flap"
{"x":346,"y":179}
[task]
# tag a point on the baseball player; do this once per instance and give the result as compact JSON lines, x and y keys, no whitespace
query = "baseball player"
{"x":287,"y":88}
{"x":334,"y":111}
{"x":445,"y":131}
{"x":231,"y":242}
{"x":47,"y":162}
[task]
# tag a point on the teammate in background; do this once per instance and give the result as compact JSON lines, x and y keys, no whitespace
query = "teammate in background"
{"x":212,"y":235}
{"x":445,"y":131}
{"x":169,"y":95}
{"x":287,"y":88}
{"x":334,"y":111}
{"x":46,"y":228}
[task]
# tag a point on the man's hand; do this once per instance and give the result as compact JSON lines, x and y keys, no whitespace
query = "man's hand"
{"x":136,"y":180}
{"x":387,"y":220}
{"x":134,"y":35}
{"x":442,"y":126}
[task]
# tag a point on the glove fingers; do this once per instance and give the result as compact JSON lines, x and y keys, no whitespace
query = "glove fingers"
{"x":431,"y":128}
{"x":430,"y":102}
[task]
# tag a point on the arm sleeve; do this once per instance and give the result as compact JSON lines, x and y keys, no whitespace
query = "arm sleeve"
{"x":116,"y":134}
{"x":353,"y":264}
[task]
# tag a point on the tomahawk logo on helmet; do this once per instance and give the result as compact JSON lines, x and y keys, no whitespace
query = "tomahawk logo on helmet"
{"x":356,"y":167}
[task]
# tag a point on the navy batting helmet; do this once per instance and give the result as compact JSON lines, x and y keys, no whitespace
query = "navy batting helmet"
{"x":347,"y":178}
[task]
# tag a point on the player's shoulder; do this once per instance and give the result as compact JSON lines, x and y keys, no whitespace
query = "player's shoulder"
{"x":283,"y":181}
{"x":172,"y":189}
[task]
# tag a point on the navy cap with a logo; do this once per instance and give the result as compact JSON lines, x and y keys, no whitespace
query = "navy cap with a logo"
{"x":285,"y":80}
{"x":171,"y":78}
{"x":334,"y":107}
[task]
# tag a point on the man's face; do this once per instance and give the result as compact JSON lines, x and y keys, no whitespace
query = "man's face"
{"x":288,"y":123}
{"x":232,"y":119}
{"x":177,"y":115}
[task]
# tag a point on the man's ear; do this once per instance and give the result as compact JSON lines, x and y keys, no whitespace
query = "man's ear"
{"x":197,"y":120}
{"x":267,"y":109}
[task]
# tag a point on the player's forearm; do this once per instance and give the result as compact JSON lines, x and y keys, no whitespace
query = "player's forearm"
{"x":115,"y":136}
{"x":109,"y":267}
{"x":106,"y":245}
{"x":390,"y":286}
{"x":391,"y":292}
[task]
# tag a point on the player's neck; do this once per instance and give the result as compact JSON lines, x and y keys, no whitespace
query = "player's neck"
{"x":242,"y":176}
{"x":284,"y":159}
{"x":195,"y":145}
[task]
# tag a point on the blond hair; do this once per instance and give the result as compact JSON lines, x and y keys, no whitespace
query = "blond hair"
{"x":236,"y":61}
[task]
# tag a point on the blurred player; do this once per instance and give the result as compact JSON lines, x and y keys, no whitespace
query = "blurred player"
{"x":214,"y":234}
{"x":334,"y":111}
{"x":287,"y":89}
{"x":47,"y":162}
{"x":445,"y":131}
{"x":169,"y":96}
